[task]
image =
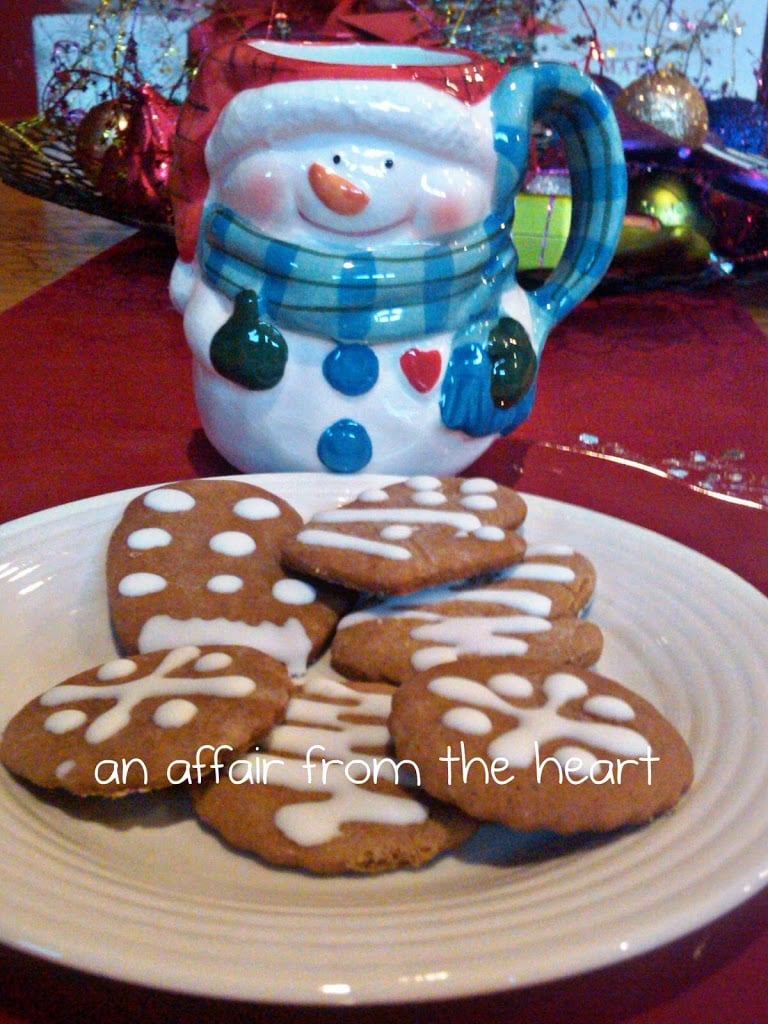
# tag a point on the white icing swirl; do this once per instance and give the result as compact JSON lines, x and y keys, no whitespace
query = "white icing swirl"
{"x":234,"y":543}
{"x":397,"y":531}
{"x":256,"y":508}
{"x":140,"y":584}
{"x":540,"y":724}
{"x":169,"y":499}
{"x":492,"y":533}
{"x":479,"y":502}
{"x":481,"y":636}
{"x":424,"y":483}
{"x":288,"y":643}
{"x":65,"y":721}
{"x":148,"y":538}
{"x":478,"y":485}
{"x":118,"y":668}
{"x":63,"y":769}
{"x":604,"y":706}
{"x":295,"y":592}
{"x":320,"y":717}
{"x":224,"y":583}
{"x":346,"y":542}
{"x":543,"y":572}
{"x":429,"y":498}
{"x":158,"y":683}
{"x":174,"y":713}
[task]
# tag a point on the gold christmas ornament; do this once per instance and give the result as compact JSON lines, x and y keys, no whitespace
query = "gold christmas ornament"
{"x":101,"y":127}
{"x":669,"y":101}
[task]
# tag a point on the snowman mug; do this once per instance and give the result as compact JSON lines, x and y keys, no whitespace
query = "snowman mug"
{"x":347,"y":272}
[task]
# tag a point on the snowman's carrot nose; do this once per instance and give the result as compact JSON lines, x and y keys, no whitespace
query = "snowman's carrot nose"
{"x":337,"y":193}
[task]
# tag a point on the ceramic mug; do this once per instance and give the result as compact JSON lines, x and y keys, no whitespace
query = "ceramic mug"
{"x":346,"y":270}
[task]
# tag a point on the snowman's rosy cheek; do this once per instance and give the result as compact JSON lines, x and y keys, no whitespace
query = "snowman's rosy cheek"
{"x":450,"y":198}
{"x":256,"y":196}
{"x":440,"y":214}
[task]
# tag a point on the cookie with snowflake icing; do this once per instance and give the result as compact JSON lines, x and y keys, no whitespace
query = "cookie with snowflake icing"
{"x":525,"y":611}
{"x":198,"y":562}
{"x":324,"y":793}
{"x":146,"y":722}
{"x":413,"y":534}
{"x":531,"y":748}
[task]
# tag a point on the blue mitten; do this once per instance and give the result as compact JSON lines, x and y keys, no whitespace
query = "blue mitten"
{"x":489,"y":387}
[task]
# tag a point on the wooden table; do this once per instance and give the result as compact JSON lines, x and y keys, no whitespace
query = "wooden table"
{"x":40,"y":241}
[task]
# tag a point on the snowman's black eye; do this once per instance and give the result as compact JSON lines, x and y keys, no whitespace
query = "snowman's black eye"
{"x":389,"y":162}
{"x":336,"y":158}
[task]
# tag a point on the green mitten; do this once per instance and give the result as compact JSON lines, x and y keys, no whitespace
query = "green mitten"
{"x":247,"y":349}
{"x":513,"y":362}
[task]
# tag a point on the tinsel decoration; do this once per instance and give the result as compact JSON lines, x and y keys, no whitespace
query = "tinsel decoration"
{"x":505,"y":30}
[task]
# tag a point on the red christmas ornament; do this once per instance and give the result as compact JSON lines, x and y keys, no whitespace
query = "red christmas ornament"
{"x":135,"y":168}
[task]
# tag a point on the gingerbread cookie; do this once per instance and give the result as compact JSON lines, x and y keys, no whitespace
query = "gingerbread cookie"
{"x":552,"y":581}
{"x":392,"y":646}
{"x":324,"y":793}
{"x":534,"y":749}
{"x":134,"y":723}
{"x":525,"y":611}
{"x":411,"y":535}
{"x":198,"y":562}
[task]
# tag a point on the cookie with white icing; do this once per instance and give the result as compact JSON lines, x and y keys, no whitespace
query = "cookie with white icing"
{"x":531,"y":748}
{"x":525,"y":611}
{"x":552,"y":581}
{"x":198,"y":562}
{"x":413,"y":534}
{"x":391,"y":646}
{"x":323,"y":792}
{"x":144,"y":723}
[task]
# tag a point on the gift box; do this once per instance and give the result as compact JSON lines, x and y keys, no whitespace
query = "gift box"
{"x":161,"y":45}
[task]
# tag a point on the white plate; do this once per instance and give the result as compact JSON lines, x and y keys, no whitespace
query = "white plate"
{"x":137,"y":890}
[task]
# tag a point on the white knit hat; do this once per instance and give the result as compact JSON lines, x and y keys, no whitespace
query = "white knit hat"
{"x":394,"y":108}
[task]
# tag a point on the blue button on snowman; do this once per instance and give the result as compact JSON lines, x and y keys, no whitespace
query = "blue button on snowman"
{"x":350,"y":295}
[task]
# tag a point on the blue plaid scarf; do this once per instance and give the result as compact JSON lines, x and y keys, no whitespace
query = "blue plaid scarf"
{"x":387,"y":293}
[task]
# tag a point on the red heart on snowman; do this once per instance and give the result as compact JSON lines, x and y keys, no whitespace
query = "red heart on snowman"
{"x":421,"y":368}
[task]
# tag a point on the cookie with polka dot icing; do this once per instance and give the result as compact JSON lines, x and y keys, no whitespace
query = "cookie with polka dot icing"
{"x":531,"y":748}
{"x":141,"y":723}
{"x":323,"y":792}
{"x":524,"y":611}
{"x":417,"y":533}
{"x":198,"y":562}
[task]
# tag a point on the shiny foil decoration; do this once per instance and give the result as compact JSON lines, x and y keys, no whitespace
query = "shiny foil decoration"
{"x":669,"y":102}
{"x":135,"y":168}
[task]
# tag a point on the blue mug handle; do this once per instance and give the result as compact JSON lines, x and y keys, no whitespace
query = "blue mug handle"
{"x":576,"y":108}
